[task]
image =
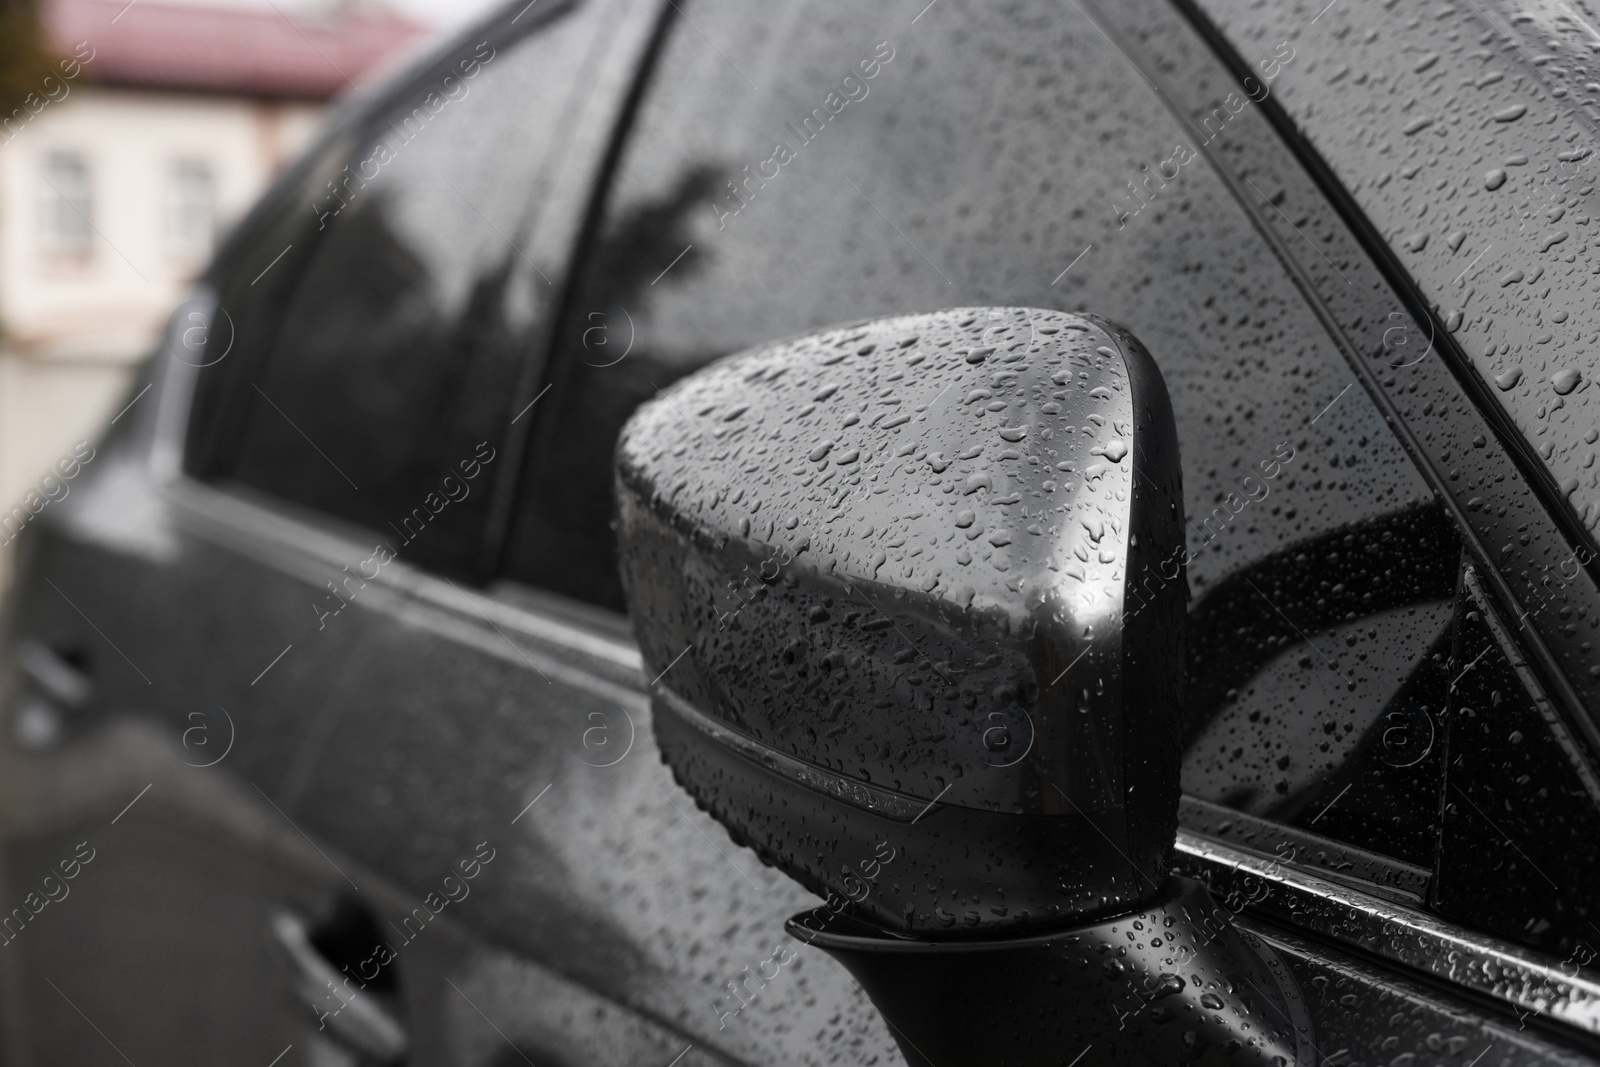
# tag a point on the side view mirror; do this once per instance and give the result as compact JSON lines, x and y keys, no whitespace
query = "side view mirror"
{"x":914,"y":591}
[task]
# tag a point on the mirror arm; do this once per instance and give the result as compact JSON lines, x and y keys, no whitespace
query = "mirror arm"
{"x":1188,"y":986}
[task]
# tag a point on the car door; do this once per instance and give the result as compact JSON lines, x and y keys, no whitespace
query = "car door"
{"x":817,"y":166}
{"x":235,"y":711}
{"x":483,"y":676}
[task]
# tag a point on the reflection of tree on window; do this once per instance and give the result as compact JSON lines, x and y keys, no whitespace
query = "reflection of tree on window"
{"x":393,"y":383}
{"x":67,"y":207}
{"x":346,"y":366}
{"x":191,"y":208}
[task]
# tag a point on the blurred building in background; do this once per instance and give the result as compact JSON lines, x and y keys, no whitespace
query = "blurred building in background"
{"x":154,"y":127}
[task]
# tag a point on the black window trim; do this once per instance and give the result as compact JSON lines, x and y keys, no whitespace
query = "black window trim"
{"x":541,"y":372}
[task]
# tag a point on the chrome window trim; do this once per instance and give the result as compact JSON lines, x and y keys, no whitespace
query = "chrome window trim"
{"x":559,"y":648}
{"x":1531,"y":983}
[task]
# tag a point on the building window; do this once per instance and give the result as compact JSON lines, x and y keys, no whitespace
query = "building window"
{"x":191,"y":210}
{"x":68,"y":206}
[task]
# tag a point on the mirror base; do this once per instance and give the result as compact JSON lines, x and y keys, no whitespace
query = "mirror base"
{"x":1172,"y":983}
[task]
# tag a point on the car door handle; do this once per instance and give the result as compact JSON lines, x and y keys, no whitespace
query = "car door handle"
{"x":359,"y":1020}
{"x":54,"y":675}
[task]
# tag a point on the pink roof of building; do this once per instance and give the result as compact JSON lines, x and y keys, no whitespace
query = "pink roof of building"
{"x":228,"y":50}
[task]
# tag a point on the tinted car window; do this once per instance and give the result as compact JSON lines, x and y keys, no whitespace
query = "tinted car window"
{"x":825,"y":163}
{"x":383,"y":391}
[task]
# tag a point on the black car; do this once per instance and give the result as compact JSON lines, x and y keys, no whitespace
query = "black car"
{"x":1137,"y":586}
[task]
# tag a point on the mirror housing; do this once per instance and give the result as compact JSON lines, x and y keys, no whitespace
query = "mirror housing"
{"x":913,"y":594}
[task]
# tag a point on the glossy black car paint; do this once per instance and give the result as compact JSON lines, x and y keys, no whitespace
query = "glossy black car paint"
{"x":416,"y":723}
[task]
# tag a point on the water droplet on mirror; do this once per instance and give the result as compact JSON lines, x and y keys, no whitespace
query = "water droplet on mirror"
{"x":1168,"y":985}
